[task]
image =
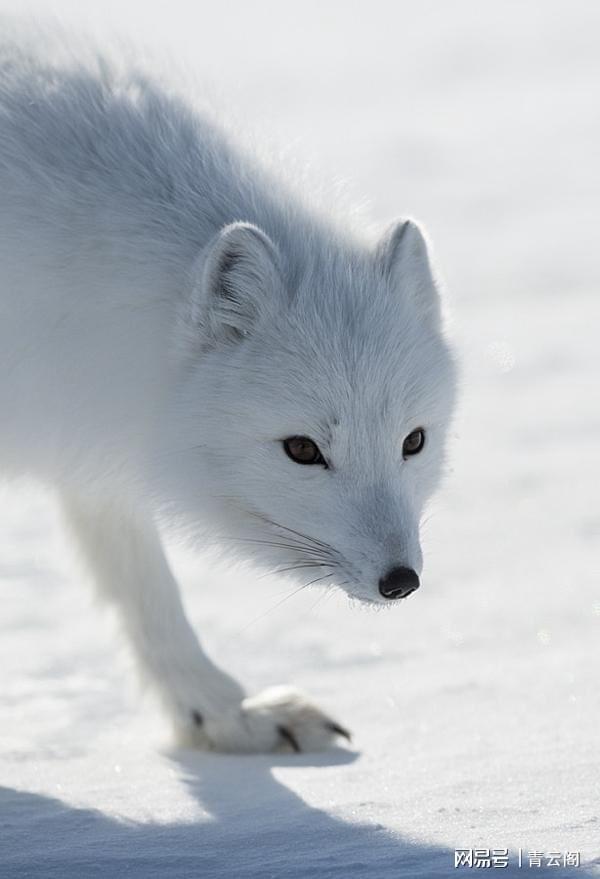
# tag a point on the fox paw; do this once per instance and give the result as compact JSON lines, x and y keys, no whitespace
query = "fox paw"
{"x":280,"y":719}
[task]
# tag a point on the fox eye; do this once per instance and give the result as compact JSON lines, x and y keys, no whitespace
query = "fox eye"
{"x":413,"y":443}
{"x":303,"y":450}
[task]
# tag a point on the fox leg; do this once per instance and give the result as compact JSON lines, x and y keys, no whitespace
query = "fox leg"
{"x":122,"y":548}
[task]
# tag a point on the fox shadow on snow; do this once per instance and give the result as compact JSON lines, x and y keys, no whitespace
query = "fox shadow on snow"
{"x":258,"y":829}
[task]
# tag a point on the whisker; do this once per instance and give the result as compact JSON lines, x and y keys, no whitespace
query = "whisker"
{"x":305,"y":537}
{"x":294,"y":568}
{"x":317,"y":579}
{"x":288,"y":545}
{"x":319,"y":600}
{"x":296,"y":547}
{"x":286,"y":597}
{"x":276,"y":605}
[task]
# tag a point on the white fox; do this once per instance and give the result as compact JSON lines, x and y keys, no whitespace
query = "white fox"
{"x":182,"y":336}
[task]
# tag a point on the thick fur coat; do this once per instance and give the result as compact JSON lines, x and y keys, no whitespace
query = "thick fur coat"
{"x":172,"y":312}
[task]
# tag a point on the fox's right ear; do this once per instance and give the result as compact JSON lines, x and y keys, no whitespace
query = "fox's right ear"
{"x":236,"y":284}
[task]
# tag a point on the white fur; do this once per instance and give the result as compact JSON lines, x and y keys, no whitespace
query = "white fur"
{"x":169,"y":312}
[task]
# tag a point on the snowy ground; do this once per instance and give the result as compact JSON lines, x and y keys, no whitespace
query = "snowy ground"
{"x":475,"y":705}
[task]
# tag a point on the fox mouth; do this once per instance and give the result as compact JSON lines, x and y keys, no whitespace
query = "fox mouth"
{"x":323,"y":564}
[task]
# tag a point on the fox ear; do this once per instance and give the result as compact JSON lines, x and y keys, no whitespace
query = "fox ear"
{"x":404,"y":259}
{"x":237,"y":282}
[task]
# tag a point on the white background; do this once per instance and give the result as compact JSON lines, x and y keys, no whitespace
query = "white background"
{"x":474,"y":705}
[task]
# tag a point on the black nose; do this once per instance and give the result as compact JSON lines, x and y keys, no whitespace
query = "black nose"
{"x":398,"y":583}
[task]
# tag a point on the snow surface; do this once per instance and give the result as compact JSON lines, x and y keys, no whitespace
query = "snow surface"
{"x":475,"y":705}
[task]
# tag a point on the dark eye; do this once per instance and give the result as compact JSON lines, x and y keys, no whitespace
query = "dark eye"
{"x":303,"y":450}
{"x":413,"y":443}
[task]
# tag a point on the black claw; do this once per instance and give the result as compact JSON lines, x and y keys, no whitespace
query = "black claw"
{"x":197,"y":718}
{"x":339,"y":730}
{"x":289,"y":737}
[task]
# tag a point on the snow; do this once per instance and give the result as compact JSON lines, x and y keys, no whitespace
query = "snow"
{"x":475,"y":704}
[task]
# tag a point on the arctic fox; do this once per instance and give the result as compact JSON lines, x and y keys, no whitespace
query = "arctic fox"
{"x":184,"y":336}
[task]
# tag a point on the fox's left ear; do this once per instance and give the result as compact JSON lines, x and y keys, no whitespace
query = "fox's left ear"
{"x":403,"y":256}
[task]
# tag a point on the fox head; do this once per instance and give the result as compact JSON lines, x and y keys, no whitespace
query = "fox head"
{"x":311,"y":417}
